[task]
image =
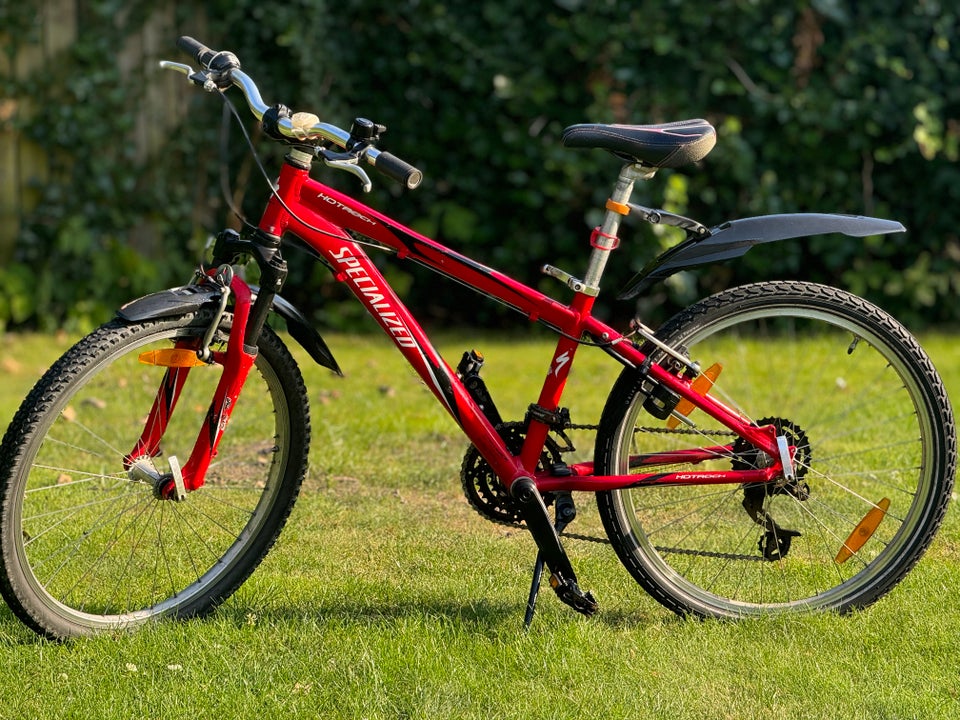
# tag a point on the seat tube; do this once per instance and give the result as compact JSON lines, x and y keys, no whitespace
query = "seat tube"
{"x":605,"y":240}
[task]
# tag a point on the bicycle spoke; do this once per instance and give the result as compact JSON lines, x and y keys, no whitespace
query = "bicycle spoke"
{"x":99,"y":549}
{"x":853,"y":394}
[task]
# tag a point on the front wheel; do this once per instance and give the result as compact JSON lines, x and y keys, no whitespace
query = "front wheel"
{"x":87,"y":543}
{"x":853,"y":392}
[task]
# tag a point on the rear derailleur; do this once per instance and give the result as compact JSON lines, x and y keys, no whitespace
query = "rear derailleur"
{"x":775,"y":542}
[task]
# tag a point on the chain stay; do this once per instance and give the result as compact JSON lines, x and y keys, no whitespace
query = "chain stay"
{"x":606,"y":541}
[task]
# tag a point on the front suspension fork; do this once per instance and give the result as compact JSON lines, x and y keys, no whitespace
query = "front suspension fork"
{"x":236,"y":362}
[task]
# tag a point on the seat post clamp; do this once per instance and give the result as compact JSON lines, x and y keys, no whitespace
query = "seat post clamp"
{"x":618,"y":207}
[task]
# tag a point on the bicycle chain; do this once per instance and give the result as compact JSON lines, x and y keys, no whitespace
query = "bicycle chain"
{"x":499,"y":519}
{"x":660,"y":430}
{"x":674,"y":551}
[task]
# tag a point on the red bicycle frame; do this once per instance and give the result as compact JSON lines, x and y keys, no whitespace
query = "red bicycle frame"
{"x":329,"y":221}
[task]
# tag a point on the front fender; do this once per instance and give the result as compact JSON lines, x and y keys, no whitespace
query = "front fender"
{"x":167,"y":303}
{"x":303,"y":332}
{"x":734,"y":238}
{"x":190,"y":298}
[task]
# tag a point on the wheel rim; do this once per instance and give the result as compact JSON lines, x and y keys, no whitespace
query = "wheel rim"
{"x":858,"y":408}
{"x":101,"y":551}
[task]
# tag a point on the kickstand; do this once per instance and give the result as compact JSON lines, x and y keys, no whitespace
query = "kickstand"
{"x":564,"y":515}
{"x":534,"y":591}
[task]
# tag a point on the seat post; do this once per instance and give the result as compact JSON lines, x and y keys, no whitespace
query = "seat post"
{"x":605,"y":240}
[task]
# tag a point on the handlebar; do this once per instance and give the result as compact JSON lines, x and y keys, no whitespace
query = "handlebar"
{"x":200,"y":52}
{"x":224,"y":71}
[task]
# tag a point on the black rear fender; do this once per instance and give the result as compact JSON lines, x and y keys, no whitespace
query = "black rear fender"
{"x":733,"y":239}
{"x":190,"y":298}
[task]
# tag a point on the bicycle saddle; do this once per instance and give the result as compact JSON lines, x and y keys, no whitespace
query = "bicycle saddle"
{"x":668,"y":145}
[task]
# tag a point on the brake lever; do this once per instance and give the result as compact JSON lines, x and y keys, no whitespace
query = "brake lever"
{"x":195,"y":77}
{"x":301,"y":124}
{"x":348,"y":162}
{"x":178,"y":67}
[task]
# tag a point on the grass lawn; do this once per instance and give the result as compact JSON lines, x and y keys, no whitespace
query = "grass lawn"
{"x":388,"y":597}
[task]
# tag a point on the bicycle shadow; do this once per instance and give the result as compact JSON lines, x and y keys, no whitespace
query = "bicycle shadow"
{"x":482,"y":616}
{"x":13,"y":633}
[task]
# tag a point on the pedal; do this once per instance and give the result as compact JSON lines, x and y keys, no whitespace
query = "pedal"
{"x":551,"y":552}
{"x":570,"y":593}
{"x":469,"y":372}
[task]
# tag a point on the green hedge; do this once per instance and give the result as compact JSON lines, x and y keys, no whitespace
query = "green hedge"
{"x":820,"y":106}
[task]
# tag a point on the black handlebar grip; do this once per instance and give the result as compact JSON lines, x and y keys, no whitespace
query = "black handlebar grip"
{"x":196,"y":49}
{"x":399,"y":170}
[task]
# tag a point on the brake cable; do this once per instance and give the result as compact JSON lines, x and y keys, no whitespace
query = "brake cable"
{"x":225,"y":168}
{"x":273,"y":190}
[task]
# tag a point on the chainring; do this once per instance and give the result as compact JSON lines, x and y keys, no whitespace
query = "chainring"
{"x":483,"y":489}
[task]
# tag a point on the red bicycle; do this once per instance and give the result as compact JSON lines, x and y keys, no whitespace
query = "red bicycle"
{"x":729,"y":485}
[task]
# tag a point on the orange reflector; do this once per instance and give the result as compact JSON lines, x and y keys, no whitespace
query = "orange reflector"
{"x":701,"y":385}
{"x":171,"y":357}
{"x":863,"y":531}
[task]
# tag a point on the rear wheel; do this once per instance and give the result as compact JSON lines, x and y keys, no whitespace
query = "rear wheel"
{"x":89,"y":546}
{"x":857,"y":397}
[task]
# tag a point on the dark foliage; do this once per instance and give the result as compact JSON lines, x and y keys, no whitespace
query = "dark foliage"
{"x":820,"y":106}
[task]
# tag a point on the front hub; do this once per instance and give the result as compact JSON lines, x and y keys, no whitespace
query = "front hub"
{"x":165,"y":485}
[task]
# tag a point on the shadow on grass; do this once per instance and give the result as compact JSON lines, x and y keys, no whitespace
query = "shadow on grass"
{"x":13,"y":633}
{"x":478,"y":616}
{"x":482,"y":616}
{"x":371,"y":611}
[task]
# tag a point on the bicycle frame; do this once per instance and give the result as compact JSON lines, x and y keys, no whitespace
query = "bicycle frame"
{"x":324,"y":219}
{"x":824,"y":506}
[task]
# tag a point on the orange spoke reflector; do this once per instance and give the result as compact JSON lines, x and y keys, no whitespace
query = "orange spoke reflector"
{"x":171,"y":357}
{"x":701,"y":385}
{"x":863,"y":531}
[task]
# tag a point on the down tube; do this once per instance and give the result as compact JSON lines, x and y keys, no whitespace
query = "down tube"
{"x":354,"y":267}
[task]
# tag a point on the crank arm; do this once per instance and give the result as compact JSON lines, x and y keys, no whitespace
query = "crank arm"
{"x":563,"y":580}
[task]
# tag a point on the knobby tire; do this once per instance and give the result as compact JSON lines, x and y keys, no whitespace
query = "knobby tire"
{"x":86,"y":548}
